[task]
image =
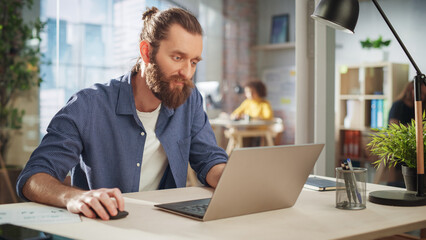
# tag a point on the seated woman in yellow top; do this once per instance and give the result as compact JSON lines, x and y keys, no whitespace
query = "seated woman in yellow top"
{"x":255,"y":106}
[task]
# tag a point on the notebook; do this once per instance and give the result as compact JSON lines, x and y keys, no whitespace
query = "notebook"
{"x":320,"y":184}
{"x":254,"y":180}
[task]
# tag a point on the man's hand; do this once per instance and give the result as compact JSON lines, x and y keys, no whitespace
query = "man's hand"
{"x":43,"y":188}
{"x":96,"y":202}
{"x":214,"y":174}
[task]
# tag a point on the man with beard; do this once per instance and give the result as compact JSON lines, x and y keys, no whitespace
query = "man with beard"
{"x":138,"y":132}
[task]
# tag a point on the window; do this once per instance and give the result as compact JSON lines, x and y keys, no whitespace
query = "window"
{"x":86,"y":42}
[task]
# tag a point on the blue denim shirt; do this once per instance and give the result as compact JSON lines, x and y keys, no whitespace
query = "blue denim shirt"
{"x":99,"y":137}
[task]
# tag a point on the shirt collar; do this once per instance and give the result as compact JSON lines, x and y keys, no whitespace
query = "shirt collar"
{"x":125,"y":100}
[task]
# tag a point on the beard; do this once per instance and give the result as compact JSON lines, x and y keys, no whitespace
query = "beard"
{"x":160,"y":86}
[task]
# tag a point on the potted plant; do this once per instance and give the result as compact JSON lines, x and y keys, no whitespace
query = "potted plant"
{"x":397,"y":145}
{"x":376,"y":45}
{"x":19,"y":71}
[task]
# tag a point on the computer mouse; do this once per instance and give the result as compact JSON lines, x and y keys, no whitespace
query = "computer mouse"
{"x":120,"y":214}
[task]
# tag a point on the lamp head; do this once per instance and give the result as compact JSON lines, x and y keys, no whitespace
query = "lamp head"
{"x":338,"y":14}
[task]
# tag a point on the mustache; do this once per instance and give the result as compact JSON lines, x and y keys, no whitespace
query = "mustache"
{"x":177,"y":78}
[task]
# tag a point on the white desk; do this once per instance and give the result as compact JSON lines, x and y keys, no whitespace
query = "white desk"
{"x":237,"y":130}
{"x":313,"y":217}
{"x":239,"y":123}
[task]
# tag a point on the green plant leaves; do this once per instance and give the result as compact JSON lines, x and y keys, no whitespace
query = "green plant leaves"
{"x":396,"y":144}
{"x":366,"y":44}
{"x":378,"y":43}
{"x":19,"y":63}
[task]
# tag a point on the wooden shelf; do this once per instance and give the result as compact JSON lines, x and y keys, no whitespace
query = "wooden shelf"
{"x":351,"y":97}
{"x":365,"y":130}
{"x":343,"y":128}
{"x":369,"y":97}
{"x":361,"y":97}
{"x":358,"y":86}
{"x":278,"y":46}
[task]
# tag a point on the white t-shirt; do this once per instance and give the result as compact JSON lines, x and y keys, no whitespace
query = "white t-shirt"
{"x":154,"y":159}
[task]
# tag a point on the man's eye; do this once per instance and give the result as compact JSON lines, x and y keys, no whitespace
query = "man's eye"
{"x":194,"y":63}
{"x":177,"y":58}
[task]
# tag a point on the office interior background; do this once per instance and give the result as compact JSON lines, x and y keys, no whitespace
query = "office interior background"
{"x":90,"y":41}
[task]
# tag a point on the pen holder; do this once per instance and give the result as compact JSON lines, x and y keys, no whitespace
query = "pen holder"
{"x":351,"y":188}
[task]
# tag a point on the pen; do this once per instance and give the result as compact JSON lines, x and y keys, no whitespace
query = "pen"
{"x":350,"y":182}
{"x":347,"y":186}
{"x":354,"y":180}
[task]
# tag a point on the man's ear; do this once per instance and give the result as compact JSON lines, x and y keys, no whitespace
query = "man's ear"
{"x":144,"y":48}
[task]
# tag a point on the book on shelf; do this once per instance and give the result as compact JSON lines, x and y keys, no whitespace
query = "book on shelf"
{"x":385,"y":81}
{"x":320,"y":184}
{"x":373,"y":122}
{"x":352,"y":118}
{"x":386,"y":109}
{"x":378,"y":117}
{"x":351,"y":143}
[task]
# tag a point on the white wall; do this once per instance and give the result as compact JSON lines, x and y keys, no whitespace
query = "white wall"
{"x":408,"y":18}
{"x":267,"y":9}
{"x":209,"y":14}
{"x":280,"y":64}
{"x":211,"y":19}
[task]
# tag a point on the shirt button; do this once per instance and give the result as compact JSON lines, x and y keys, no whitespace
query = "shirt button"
{"x":142,"y":134}
{"x":138,"y":164}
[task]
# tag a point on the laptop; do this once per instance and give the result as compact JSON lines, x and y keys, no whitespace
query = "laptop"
{"x":254,"y":180}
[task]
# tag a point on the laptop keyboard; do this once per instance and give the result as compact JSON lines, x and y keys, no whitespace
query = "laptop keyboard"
{"x":197,"y":209}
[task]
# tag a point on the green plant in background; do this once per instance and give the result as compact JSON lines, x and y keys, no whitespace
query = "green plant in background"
{"x":378,"y":43}
{"x":396,"y":144}
{"x":19,"y":63}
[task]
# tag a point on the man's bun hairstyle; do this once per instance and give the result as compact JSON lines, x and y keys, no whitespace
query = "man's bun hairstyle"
{"x":149,"y":13}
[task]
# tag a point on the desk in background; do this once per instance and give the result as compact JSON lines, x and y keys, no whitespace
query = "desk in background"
{"x":314,"y":216}
{"x":235,"y":131}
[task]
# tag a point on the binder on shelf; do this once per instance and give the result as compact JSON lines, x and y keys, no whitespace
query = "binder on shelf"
{"x":351,"y":144}
{"x":385,"y":113}
{"x":356,"y":142}
{"x":353,"y":118}
{"x":385,"y":81}
{"x":373,"y":122}
{"x":380,"y":117}
{"x":345,"y":143}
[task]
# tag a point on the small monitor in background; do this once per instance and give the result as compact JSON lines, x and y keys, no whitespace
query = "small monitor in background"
{"x":211,"y":94}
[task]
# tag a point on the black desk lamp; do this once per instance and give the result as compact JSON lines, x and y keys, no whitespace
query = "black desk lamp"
{"x":343,"y":15}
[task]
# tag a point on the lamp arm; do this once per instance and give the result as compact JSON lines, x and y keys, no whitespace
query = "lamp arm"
{"x":418,"y":82}
{"x":397,"y":37}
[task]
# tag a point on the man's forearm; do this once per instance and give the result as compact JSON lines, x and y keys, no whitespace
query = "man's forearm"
{"x":214,"y":174}
{"x":43,"y":188}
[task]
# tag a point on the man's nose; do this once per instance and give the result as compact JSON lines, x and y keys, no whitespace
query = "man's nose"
{"x":186,"y":70}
